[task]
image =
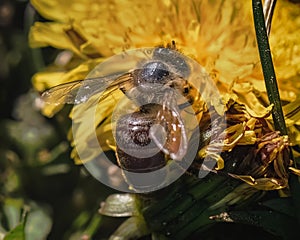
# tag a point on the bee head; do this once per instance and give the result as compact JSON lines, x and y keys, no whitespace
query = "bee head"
{"x":153,"y":75}
{"x":174,"y":59}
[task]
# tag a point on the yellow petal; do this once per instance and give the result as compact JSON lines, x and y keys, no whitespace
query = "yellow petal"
{"x":248,"y":138}
{"x":285,"y":41}
{"x":247,"y":97}
{"x":51,"y":34}
{"x":87,"y":129}
{"x":292,"y":112}
{"x":63,"y":11}
{"x":219,"y":160}
{"x":262,"y":183}
{"x":45,"y":80}
{"x":49,"y":78}
{"x":294,"y":135}
{"x":295,"y":170}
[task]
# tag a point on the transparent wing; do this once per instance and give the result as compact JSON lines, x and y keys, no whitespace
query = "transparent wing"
{"x":174,"y":142}
{"x":80,"y":91}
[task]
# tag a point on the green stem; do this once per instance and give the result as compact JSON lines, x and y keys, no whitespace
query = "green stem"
{"x":272,"y":88}
{"x":267,"y":66}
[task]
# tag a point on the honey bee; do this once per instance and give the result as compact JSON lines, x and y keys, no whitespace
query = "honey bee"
{"x":158,"y":82}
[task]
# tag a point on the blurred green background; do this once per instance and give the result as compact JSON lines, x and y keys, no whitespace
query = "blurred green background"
{"x":39,"y":181}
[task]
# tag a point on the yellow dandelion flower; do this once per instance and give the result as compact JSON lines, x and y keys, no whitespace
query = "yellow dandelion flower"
{"x":219,"y":35}
{"x":284,"y":41}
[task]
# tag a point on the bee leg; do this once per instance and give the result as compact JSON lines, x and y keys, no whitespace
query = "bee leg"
{"x":111,"y":146}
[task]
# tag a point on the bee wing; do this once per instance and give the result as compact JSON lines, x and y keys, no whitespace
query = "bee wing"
{"x":174,"y":142}
{"x":80,"y":91}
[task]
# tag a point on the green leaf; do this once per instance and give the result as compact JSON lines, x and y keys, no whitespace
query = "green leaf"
{"x":94,"y":225}
{"x":132,"y":228}
{"x":25,"y":222}
{"x":85,"y":224}
{"x":15,"y":216}
{"x":16,"y":234}
{"x":267,"y":66}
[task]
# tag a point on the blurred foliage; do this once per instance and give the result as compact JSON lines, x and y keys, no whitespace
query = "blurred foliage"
{"x":43,"y":195}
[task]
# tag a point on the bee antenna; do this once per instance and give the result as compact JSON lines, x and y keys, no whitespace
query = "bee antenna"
{"x":173,"y":44}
